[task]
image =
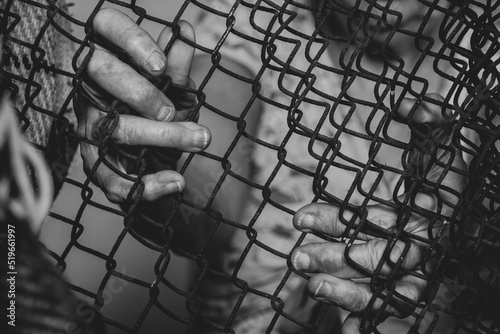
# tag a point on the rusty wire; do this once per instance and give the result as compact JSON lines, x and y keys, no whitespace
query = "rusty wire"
{"x":467,"y":257}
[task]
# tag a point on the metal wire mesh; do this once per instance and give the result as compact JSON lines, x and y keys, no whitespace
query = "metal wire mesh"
{"x":465,"y":259}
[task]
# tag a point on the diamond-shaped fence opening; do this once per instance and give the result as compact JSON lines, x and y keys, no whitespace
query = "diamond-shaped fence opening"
{"x":216,"y":258}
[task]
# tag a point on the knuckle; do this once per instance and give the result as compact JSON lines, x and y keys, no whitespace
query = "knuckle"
{"x":112,"y":197}
{"x":356,"y":302}
{"x":321,"y":215}
{"x":126,"y":135}
{"x":136,"y":40}
{"x":80,"y":129}
{"x":364,"y":300}
{"x":324,"y":256}
{"x":86,"y":127}
{"x":330,"y":259}
{"x":102,"y":128}
{"x":88,"y":161}
{"x":116,"y":191}
{"x":142,"y":96}
{"x":103,"y":17}
{"x":99,"y":64}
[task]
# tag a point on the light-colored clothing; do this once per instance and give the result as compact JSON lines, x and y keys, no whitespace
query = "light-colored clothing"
{"x":308,"y":117}
{"x":44,"y":101}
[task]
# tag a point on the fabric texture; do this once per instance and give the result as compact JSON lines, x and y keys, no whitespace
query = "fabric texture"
{"x":40,"y":95}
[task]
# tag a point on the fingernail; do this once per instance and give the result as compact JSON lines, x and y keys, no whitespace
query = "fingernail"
{"x":201,"y":138}
{"x":179,"y":186}
{"x":306,"y":221}
{"x":175,"y":187}
{"x":301,"y":261}
{"x":165,"y":113}
{"x":156,"y":62}
{"x":324,"y":289}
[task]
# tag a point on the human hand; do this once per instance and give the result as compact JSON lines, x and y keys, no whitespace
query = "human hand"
{"x":398,"y":247}
{"x":117,"y":70}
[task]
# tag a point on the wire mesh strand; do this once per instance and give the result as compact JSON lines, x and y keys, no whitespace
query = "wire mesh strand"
{"x":462,"y":247}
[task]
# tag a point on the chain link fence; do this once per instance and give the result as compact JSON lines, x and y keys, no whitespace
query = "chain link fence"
{"x":461,"y":261}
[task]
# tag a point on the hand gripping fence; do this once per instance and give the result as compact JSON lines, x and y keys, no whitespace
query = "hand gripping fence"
{"x":461,"y":261}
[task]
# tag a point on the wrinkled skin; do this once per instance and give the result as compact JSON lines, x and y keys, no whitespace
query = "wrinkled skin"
{"x":156,"y":120}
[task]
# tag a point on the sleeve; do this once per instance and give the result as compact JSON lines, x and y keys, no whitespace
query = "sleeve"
{"x":38,"y":55}
{"x":229,"y":29}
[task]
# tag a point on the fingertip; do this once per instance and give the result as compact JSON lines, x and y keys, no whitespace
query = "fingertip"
{"x":186,"y":31}
{"x":166,"y":113}
{"x":300,"y":260}
{"x":202,"y":138}
{"x":320,"y":287}
{"x":161,"y":184}
{"x":198,"y":137}
{"x":435,"y":96}
{"x":435,"y":112}
{"x":176,"y":42}
{"x":304,"y":222}
{"x":115,"y":188}
{"x":302,"y":219}
{"x":318,"y":217}
{"x":405,"y":107}
{"x":344,"y":293}
{"x":156,"y":62}
{"x":180,"y":183}
{"x":174,"y":187}
{"x":429,"y":110}
{"x":120,"y":30}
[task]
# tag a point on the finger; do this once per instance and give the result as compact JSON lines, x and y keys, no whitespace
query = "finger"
{"x":326,"y":258}
{"x":380,"y":219}
{"x":356,"y":297}
{"x":345,"y":293}
{"x":428,"y":112}
{"x":117,"y":189}
{"x":136,"y":131}
{"x":115,"y":186}
{"x":185,"y":102}
{"x":360,"y":260}
{"x":180,"y":54}
{"x":351,"y":324}
{"x":116,"y":29}
{"x":320,"y":218}
{"x":184,"y":136}
{"x":179,"y":60}
{"x":122,"y":82}
{"x":325,"y":219}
